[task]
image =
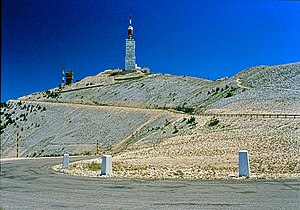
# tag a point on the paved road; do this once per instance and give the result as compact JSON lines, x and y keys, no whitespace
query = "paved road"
{"x":30,"y":184}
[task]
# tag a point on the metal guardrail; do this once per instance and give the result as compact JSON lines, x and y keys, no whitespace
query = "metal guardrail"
{"x":270,"y":115}
{"x":293,"y":116}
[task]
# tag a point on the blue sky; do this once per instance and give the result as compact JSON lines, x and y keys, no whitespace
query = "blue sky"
{"x":207,"y":39}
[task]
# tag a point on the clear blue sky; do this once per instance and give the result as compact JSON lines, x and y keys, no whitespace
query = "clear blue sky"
{"x":208,"y":39}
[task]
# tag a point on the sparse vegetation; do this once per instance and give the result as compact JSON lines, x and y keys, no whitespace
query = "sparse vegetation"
{"x":191,"y":120}
{"x":179,"y":173}
{"x":185,"y":109}
{"x":72,"y":166}
{"x":51,"y":94}
{"x":175,"y":130}
{"x":93,"y":166}
{"x":167,"y":122}
{"x":213,"y":121}
{"x":3,"y":105}
{"x":228,"y":94}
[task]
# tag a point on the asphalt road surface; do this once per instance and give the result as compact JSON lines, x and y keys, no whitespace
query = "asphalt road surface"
{"x":30,"y":184}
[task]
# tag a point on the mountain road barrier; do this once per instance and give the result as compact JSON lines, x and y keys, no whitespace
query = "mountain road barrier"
{"x":262,"y":115}
{"x":290,"y":116}
{"x":244,"y":168}
{"x":65,"y":163}
{"x":31,"y":184}
{"x":106,"y":168}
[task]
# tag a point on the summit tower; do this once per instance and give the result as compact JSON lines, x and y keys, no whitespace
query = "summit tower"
{"x":130,"y":59}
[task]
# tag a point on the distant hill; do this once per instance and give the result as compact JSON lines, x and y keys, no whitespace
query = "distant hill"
{"x":127,"y":113}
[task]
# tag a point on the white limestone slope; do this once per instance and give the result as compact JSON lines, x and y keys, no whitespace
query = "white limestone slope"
{"x":262,"y":89}
{"x":151,"y":121}
{"x":55,"y":129}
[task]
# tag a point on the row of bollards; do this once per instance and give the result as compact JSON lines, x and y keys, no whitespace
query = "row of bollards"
{"x":106,"y":169}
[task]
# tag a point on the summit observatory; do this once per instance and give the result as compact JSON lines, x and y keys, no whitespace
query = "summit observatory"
{"x":130,"y":58}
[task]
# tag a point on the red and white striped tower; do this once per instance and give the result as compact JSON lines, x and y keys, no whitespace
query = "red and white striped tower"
{"x":130,"y":59}
{"x":130,"y":28}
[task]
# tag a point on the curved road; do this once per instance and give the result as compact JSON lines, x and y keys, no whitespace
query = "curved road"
{"x":30,"y":184}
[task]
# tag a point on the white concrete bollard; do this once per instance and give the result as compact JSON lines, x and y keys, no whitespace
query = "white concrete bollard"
{"x":244,"y":168}
{"x":65,"y":163}
{"x":106,"y":165}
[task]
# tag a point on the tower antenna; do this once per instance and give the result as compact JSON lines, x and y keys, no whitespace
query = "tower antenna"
{"x":63,"y":75}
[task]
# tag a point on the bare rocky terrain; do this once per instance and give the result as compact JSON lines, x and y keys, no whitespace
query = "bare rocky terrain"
{"x":161,"y":126}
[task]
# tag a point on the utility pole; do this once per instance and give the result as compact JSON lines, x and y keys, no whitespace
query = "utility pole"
{"x":97,"y":149}
{"x":18,"y":145}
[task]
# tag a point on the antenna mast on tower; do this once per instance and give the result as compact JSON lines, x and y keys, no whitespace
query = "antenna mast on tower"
{"x":63,"y":75}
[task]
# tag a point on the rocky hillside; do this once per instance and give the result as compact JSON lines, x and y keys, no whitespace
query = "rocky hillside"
{"x":48,"y":129}
{"x":259,"y":89}
{"x":268,"y":89}
{"x":155,"y":120}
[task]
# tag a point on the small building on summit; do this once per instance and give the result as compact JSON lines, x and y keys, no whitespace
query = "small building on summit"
{"x":69,"y":77}
{"x":130,"y":58}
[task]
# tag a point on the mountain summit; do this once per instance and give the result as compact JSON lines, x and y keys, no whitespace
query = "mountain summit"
{"x":165,"y":121}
